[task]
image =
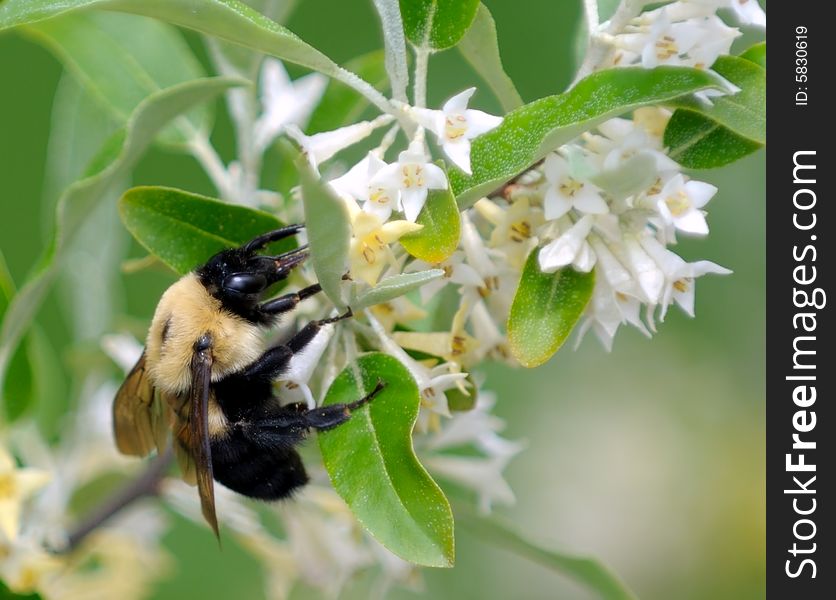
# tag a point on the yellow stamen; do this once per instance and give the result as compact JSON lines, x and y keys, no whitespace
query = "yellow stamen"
{"x":678,"y":204}
{"x":666,"y":48}
{"x":570,"y":187}
{"x":413,"y":176}
{"x":8,"y":487}
{"x":455,"y":127}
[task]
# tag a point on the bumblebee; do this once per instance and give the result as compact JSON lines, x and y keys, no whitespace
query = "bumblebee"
{"x":206,"y":378}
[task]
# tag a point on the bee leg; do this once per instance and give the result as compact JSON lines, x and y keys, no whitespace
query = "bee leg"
{"x":271,"y":364}
{"x":287,"y":302}
{"x":294,"y":417}
{"x":271,"y":236}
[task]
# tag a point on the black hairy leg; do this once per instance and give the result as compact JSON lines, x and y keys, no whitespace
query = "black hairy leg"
{"x":271,"y":236}
{"x":274,"y":361}
{"x":256,"y":457}
{"x":287,"y":302}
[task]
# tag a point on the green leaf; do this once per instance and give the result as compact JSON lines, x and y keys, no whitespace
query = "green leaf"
{"x":341,"y":105}
{"x":183,"y":229}
{"x":228,"y":20}
{"x":697,"y":142}
{"x":437,"y":24}
{"x":7,"y":594}
{"x":122,"y":59}
{"x":442,"y":228}
{"x":703,"y":137}
{"x":78,"y":129}
{"x":329,"y":231}
{"x":586,"y":571}
{"x":546,"y":308}
{"x":395,"y":286}
{"x":18,"y":392}
{"x":756,"y":54}
{"x":79,"y":199}
{"x":374,"y":468}
{"x":527,"y":134}
{"x":743,"y":113}
{"x":480,"y":48}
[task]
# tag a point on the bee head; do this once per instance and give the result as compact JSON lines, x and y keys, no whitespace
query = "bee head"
{"x":239,"y":276}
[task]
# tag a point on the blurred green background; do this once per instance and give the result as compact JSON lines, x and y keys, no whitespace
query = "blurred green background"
{"x":649,"y":458}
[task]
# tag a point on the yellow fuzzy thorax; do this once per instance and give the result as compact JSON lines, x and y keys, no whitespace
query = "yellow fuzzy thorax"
{"x":187,"y":311}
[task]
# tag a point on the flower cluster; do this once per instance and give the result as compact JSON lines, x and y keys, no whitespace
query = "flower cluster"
{"x":684,"y":33}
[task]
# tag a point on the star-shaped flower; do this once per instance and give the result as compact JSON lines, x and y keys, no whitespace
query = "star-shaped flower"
{"x":571,"y":248}
{"x":679,"y":203}
{"x":356,"y":183}
{"x":564,"y":192}
{"x":413,"y":176}
{"x":455,"y":125}
{"x":369,"y":252}
{"x":285,"y":102}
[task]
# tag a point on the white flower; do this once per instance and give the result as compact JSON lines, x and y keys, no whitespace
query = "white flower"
{"x":369,"y":252}
{"x":356,"y":183}
{"x":571,"y":248}
{"x":455,"y":125}
{"x":17,"y":484}
{"x":679,"y":275}
{"x":607,"y":310}
{"x":432,"y":382}
{"x":324,"y":538}
{"x":456,"y":271}
{"x":564,"y":192}
{"x":319,"y":147}
{"x":294,"y":380}
{"x":413,"y":176}
{"x":483,"y":474}
{"x":693,"y":43}
{"x":749,"y":12}
{"x":679,"y":203}
{"x":285,"y":102}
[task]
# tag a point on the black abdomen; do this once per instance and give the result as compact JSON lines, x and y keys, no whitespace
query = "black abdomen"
{"x":257,"y":468}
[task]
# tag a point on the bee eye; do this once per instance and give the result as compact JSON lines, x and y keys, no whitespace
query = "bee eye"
{"x":245,"y":283}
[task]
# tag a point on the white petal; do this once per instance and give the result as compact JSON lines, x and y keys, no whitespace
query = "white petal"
{"x":433,"y":120}
{"x":388,"y":177}
{"x":703,"y":267}
{"x":650,"y":277}
{"x":434,"y":177}
{"x":383,"y":211}
{"x":565,"y":249}
{"x":700,"y":192}
{"x":458,"y":152}
{"x":464,"y":274}
{"x":554,"y":167}
{"x":355,"y":182}
{"x":458,"y":103}
{"x":588,"y":200}
{"x":412,"y":201}
{"x":479,"y":122}
{"x":555,"y":204}
{"x":692,"y":221}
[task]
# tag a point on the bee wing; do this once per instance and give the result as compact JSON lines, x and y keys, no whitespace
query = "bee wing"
{"x":199,"y":434}
{"x":140,"y":420}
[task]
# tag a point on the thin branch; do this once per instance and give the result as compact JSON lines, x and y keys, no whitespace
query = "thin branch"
{"x":422,"y":56}
{"x":144,"y":486}
{"x":598,"y":48}
{"x":203,"y":151}
{"x":590,"y":8}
